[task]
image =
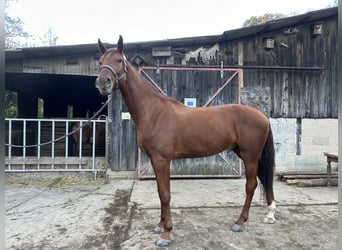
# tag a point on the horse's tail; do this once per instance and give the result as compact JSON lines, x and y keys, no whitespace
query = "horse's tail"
{"x":267,"y":163}
{"x":71,"y":140}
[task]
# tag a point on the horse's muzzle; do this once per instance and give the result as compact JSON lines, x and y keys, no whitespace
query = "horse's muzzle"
{"x":104,"y":85}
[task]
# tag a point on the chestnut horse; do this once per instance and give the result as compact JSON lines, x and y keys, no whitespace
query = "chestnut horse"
{"x":167,"y":130}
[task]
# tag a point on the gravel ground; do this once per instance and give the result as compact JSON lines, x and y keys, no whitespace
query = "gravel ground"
{"x":122,"y":213}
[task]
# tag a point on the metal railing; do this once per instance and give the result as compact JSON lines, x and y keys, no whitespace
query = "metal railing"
{"x":44,"y":145}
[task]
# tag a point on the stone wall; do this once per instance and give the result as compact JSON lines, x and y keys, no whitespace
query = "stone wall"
{"x":300,"y":143}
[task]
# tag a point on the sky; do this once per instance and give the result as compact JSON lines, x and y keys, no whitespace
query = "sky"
{"x":83,"y":22}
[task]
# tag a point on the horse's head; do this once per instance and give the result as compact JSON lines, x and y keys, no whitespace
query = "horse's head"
{"x":112,"y":67}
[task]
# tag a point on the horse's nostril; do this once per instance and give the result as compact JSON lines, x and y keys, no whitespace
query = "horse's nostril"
{"x":108,"y":81}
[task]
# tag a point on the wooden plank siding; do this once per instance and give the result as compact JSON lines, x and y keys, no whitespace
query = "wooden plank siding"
{"x":296,"y":94}
{"x":298,"y":75}
{"x":300,"y":70}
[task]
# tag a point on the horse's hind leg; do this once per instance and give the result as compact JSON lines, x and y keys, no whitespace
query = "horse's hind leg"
{"x":251,"y":184}
{"x":271,"y":207}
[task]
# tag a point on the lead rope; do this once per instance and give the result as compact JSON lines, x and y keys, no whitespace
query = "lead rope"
{"x":64,"y":136}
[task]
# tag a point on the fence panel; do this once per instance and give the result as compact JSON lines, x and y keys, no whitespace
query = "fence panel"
{"x":44,"y":145}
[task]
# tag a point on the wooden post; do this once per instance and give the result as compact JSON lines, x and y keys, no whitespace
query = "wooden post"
{"x":328,"y":172}
{"x":115,"y":120}
{"x":330,"y":158}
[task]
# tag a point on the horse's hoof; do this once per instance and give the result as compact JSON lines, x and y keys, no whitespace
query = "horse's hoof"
{"x":269,"y":220}
{"x":158,"y":230}
{"x":163,"y":243}
{"x":237,"y":228}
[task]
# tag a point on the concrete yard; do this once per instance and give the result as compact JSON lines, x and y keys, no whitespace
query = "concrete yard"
{"x":122,"y":213}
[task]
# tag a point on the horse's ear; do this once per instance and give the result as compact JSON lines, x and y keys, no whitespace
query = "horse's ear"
{"x":120,"y":44}
{"x":101,"y":46}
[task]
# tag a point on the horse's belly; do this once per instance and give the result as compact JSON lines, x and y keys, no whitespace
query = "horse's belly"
{"x":202,"y":146}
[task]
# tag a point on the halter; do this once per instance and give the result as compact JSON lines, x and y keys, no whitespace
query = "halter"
{"x":117,"y":77}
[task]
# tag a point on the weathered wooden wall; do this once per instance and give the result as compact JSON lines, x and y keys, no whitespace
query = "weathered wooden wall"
{"x":300,"y":71}
{"x":85,"y":64}
{"x":294,"y":79}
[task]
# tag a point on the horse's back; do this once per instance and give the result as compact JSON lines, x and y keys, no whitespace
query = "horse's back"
{"x":227,"y":115}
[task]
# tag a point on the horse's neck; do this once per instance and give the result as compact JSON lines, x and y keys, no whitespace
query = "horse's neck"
{"x":141,"y":99}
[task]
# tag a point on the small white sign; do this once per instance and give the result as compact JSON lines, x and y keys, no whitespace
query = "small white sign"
{"x":190,"y":102}
{"x":125,"y":116}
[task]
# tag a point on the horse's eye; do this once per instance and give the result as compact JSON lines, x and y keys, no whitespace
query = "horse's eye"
{"x":119,"y":60}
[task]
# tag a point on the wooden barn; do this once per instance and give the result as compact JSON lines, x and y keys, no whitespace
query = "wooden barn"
{"x":286,"y":67}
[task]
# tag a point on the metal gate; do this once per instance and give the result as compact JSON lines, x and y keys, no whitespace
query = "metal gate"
{"x":200,"y":86}
{"x":41,"y":145}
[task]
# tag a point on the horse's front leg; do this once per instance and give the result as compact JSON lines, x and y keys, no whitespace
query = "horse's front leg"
{"x":161,"y":168}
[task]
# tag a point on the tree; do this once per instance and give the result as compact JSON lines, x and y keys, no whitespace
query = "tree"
{"x":254,"y":20}
{"x":49,"y":39}
{"x":14,"y":31}
{"x":14,"y":35}
{"x":335,"y":4}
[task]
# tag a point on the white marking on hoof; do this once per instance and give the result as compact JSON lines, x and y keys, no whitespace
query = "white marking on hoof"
{"x":237,"y":228}
{"x":158,"y":230}
{"x":163,"y":243}
{"x":269,"y":219}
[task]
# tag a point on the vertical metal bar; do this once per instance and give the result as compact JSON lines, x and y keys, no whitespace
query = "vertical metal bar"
{"x":240,"y":85}
{"x":53,"y":144}
{"x":240,"y":82}
{"x":24,"y":143}
{"x":94,"y":145}
{"x":9,"y":142}
{"x":66,"y":144}
{"x":80,"y":146}
{"x":39,"y":138}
